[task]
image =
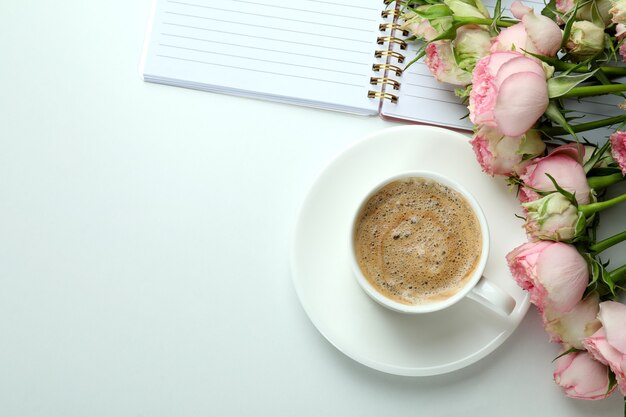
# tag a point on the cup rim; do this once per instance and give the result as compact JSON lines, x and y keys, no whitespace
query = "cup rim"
{"x":437,"y":305}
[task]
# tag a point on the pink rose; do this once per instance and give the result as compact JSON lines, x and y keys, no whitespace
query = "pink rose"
{"x":573,"y":327}
{"x":618,"y":149}
{"x":534,"y":34}
{"x":509,"y":92}
{"x":582,"y":377}
{"x":564,"y":165}
{"x":441,"y":62}
{"x":608,"y":345}
{"x":554,"y":274}
{"x":499,"y":154}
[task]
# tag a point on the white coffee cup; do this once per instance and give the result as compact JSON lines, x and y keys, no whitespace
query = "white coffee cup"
{"x":476,"y":287}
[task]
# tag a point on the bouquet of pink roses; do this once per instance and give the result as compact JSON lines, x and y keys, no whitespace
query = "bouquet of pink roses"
{"x":516,"y":76}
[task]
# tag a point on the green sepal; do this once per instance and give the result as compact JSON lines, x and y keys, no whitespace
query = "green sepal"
{"x":596,"y":16}
{"x":421,"y":53}
{"x":567,"y":352}
{"x":581,"y":225}
{"x":612,"y":381}
{"x":597,"y":155}
{"x":568,"y":25}
{"x":595,"y":269}
{"x":554,"y":113}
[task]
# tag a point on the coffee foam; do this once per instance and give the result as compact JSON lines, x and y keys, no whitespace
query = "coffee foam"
{"x":417,"y":241}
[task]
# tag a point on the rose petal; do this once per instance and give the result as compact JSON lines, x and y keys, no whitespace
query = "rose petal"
{"x":522,"y":99}
{"x":515,"y":65}
{"x":613,"y":317}
{"x":544,"y":34}
{"x":519,"y":10}
{"x":564,"y":274}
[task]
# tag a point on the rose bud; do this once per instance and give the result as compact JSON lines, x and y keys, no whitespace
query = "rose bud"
{"x":441,"y":62}
{"x":582,"y":377}
{"x":534,"y":34}
{"x":509,"y":92}
{"x":608,"y":344}
{"x":564,"y":166}
{"x":498,"y":154}
{"x":585,"y":41}
{"x":421,"y":28}
{"x":554,"y":274}
{"x":471,"y":44}
{"x":553,"y":217}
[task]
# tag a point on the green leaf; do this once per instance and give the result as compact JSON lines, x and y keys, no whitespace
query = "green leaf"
{"x":548,"y":11}
{"x":434,"y":11}
{"x":596,"y":16}
{"x":497,"y":13}
{"x":562,"y":84}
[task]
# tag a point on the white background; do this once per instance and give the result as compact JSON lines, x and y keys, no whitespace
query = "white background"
{"x":144,"y":240}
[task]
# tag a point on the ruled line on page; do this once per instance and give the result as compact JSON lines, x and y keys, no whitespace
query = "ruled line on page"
{"x":267,"y":38}
{"x":266,"y":49}
{"x":301,"y":10}
{"x":231,"y":22}
{"x":238,"y":12}
{"x":260,"y":71}
{"x":341,"y":4}
{"x":265,"y":60}
{"x":442,"y":88}
{"x":434,"y":99}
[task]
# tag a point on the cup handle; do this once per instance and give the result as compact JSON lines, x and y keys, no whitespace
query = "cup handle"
{"x":492,"y":297}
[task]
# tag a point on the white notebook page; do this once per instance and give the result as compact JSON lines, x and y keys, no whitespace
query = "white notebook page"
{"x":424,"y":99}
{"x":312,"y":52}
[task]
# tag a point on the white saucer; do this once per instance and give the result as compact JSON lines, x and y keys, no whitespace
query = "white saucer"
{"x":399,"y":344}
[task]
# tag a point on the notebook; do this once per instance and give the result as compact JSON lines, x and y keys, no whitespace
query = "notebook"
{"x":339,"y":55}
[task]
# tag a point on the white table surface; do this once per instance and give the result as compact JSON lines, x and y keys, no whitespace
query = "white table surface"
{"x":144,"y":240}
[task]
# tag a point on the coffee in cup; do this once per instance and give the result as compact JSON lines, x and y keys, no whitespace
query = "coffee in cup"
{"x":417,"y":240}
{"x":419,"y":243}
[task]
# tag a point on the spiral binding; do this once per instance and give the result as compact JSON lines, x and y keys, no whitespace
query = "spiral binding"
{"x":382,"y":94}
{"x":390,"y":67}
{"x":388,"y":39}
{"x":386,"y":52}
{"x":384,"y":80}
